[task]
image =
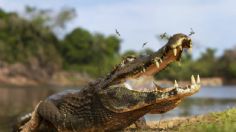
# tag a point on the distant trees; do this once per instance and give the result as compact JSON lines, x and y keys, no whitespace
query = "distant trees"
{"x":48,"y":18}
{"x":31,"y":41}
{"x":227,"y":64}
{"x":22,"y":41}
{"x":206,"y":65}
{"x":91,"y":53}
{"x":209,"y":65}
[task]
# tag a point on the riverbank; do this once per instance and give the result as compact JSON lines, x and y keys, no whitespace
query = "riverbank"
{"x":213,"y":122}
{"x":20,"y":75}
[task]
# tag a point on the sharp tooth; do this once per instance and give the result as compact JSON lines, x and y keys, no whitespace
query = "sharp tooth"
{"x":181,"y":48}
{"x":198,"y":79}
{"x":128,"y":86}
{"x":157,"y":88}
{"x":193,"y":80}
{"x":161,"y":60}
{"x":144,"y":70}
{"x":175,"y":52}
{"x":155,"y":83}
{"x":176,"y":84}
{"x":157,"y":64}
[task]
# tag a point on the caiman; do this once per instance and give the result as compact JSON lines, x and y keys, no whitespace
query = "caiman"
{"x":110,"y":103}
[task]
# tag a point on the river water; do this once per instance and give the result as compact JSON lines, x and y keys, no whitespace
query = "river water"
{"x":18,"y":101}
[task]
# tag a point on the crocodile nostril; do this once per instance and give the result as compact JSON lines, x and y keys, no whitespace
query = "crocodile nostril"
{"x":187,"y":43}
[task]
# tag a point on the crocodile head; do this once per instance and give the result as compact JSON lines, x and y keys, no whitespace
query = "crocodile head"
{"x":119,"y":96}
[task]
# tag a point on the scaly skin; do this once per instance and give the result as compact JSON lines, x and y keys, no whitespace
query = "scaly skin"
{"x":110,"y":104}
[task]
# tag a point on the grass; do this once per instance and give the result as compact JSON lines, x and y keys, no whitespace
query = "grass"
{"x":214,"y":122}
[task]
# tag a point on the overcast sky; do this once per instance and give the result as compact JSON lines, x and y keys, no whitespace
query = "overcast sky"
{"x":139,"y":21}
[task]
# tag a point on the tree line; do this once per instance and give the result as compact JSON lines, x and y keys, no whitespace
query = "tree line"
{"x":31,"y":40}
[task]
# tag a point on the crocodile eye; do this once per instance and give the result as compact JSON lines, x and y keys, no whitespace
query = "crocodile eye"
{"x":130,"y":59}
{"x":187,"y":43}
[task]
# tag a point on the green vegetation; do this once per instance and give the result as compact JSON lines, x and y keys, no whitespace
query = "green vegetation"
{"x":91,"y":53}
{"x":214,"y":122}
{"x":31,"y":40}
{"x":21,"y":41}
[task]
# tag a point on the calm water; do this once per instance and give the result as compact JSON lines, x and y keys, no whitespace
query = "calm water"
{"x":18,"y":101}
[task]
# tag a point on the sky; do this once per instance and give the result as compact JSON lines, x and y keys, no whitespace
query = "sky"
{"x":139,"y":21}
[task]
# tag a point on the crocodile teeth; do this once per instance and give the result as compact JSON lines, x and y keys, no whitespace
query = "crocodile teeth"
{"x":157,"y":87}
{"x":157,"y":63}
{"x":155,"y":83}
{"x":193,"y":80}
{"x":160,"y":60}
{"x":175,"y":52}
{"x":144,"y":70}
{"x":198,"y":79}
{"x":128,"y":86}
{"x":176,"y":84}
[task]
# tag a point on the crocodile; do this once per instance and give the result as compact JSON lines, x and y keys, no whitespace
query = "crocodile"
{"x":111,"y":103}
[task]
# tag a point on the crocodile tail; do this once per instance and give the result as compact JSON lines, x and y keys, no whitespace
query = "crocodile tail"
{"x":20,"y":122}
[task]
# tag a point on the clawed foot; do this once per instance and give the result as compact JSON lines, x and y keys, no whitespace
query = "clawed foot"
{"x":33,"y":123}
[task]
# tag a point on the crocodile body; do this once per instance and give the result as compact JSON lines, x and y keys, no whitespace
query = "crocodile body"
{"x":109,"y":104}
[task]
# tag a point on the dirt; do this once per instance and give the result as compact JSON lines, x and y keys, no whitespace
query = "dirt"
{"x":168,"y":124}
{"x":19,"y":75}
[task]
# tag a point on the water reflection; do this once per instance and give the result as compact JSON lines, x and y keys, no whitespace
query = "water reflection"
{"x":221,"y":92}
{"x":17,"y":101}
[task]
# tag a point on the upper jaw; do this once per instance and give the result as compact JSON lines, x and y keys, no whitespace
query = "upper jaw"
{"x":169,"y":53}
{"x":151,"y":64}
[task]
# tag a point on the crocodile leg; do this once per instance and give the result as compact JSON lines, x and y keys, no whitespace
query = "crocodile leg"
{"x":34,"y":122}
{"x":51,"y":117}
{"x":141,"y":123}
{"x":45,"y":116}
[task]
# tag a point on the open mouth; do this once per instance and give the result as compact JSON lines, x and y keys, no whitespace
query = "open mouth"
{"x":176,"y":89}
{"x":136,"y":68}
{"x":123,"y":94}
